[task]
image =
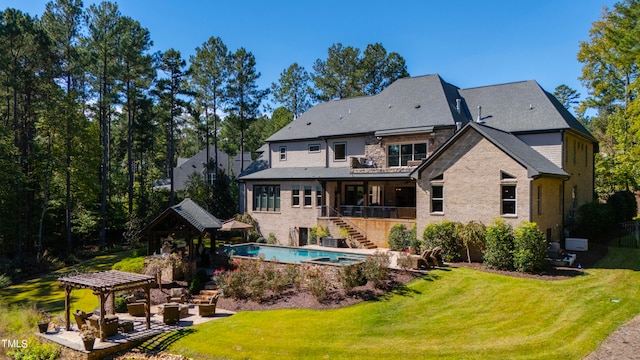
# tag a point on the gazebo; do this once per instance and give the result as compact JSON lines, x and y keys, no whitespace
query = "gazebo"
{"x":105,"y":284}
{"x":186,"y":219}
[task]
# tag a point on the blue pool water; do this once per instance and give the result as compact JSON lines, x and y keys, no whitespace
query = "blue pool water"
{"x":293,"y":254}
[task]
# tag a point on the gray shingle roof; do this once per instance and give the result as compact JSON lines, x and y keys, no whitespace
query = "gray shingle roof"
{"x":535,"y":163}
{"x":200,"y":218}
{"x":520,"y":107}
{"x":407,"y":103}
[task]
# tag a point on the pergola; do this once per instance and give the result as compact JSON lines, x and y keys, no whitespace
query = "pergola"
{"x":103,"y":284}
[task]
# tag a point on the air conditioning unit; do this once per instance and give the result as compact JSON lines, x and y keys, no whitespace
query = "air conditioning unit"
{"x":576,"y":244}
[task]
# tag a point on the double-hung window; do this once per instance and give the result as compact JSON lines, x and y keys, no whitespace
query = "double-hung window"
{"x":295,"y":196}
{"x":318,"y":196}
{"x":437,"y":194}
{"x":508,"y":194}
{"x":307,"y":196}
{"x":283,"y":153}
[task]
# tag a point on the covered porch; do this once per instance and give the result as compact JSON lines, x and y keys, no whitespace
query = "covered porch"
{"x":369,"y":199}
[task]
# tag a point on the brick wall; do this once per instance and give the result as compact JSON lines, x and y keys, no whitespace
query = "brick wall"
{"x":472,"y":184}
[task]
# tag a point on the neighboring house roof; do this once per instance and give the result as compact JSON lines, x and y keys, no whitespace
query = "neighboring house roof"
{"x":300,"y":173}
{"x":535,"y":163}
{"x":196,"y":164}
{"x":416,"y":102}
{"x":190,"y":213}
{"x":520,"y":107}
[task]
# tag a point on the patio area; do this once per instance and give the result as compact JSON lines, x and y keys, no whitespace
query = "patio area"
{"x":71,"y":341}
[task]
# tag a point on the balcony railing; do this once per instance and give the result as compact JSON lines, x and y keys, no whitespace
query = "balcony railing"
{"x":376,"y":212}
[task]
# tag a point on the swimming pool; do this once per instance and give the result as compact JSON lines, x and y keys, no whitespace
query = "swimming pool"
{"x":296,"y":255}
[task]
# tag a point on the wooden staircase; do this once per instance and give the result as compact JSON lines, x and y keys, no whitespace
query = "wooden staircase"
{"x":354,"y":234}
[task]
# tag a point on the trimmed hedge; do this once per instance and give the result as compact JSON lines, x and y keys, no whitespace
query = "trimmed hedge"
{"x":530,"y":248}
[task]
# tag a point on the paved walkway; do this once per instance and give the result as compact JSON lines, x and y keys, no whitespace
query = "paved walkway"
{"x":622,"y":344}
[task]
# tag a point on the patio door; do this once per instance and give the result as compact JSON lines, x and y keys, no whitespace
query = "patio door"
{"x":303,"y":236}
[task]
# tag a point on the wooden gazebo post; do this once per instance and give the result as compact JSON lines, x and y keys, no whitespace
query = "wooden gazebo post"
{"x":147,"y":295}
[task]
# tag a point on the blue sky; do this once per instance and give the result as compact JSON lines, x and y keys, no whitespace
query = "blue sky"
{"x":468,"y":42}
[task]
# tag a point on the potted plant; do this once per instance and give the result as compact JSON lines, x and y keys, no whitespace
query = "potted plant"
{"x":88,"y":337}
{"x":43,"y":321}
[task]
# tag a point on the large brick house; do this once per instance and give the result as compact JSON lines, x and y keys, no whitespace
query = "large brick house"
{"x":421,"y":151}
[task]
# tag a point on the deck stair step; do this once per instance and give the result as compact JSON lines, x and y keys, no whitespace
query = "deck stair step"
{"x":354,"y":234}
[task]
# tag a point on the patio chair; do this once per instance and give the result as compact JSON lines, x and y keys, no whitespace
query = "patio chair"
{"x":80,"y":318}
{"x":418,"y":261}
{"x":436,"y":257}
{"x":210,"y":308}
{"x":175,"y":296}
{"x":135,"y":307}
{"x":171,"y":313}
{"x":110,"y":327}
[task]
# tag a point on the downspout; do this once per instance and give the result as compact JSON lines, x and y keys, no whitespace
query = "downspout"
{"x":326,"y":153}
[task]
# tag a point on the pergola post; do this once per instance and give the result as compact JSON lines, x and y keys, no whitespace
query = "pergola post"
{"x":101,"y":325}
{"x":147,"y":309}
{"x":67,"y":305}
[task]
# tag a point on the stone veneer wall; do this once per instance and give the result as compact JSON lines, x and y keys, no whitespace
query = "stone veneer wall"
{"x":376,"y":150}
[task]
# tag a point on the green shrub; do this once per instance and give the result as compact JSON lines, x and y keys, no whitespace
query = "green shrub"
{"x":35,"y":351}
{"x":530,"y":248}
{"x":316,"y":233}
{"x":197,"y":283}
{"x":498,"y":252}
{"x":4,"y":281}
{"x":376,"y":268}
{"x":624,"y":206}
{"x":351,"y":276}
{"x":120,"y":303}
{"x":397,"y":238}
{"x":317,"y":283}
{"x":272,"y":239}
{"x":594,"y":221}
{"x":445,"y":235}
{"x":133,"y":265}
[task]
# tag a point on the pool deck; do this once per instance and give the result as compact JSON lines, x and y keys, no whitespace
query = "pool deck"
{"x":72,"y":343}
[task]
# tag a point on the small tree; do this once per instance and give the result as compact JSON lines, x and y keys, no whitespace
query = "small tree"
{"x":530,"y":248}
{"x":472,"y":234}
{"x":499,"y":245}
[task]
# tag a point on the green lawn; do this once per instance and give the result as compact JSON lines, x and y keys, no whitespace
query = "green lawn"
{"x":453,"y":314}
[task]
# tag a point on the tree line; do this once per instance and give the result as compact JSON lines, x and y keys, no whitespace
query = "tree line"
{"x":91,"y":119}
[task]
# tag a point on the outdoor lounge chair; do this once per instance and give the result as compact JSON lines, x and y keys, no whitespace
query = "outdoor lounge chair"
{"x":436,"y":257}
{"x":110,"y":327}
{"x":210,"y":308}
{"x":176,"y":296}
{"x":135,"y":307}
{"x":171,"y":313}
{"x":422,"y":260}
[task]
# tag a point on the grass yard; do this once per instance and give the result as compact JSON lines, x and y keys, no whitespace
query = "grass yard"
{"x":452,"y":314}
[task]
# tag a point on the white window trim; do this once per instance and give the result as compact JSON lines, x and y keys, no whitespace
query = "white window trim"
{"x":426,"y":143}
{"x":509,"y":182}
{"x":334,"y":151}
{"x":283,"y":158}
{"x":441,"y":184}
{"x":314,"y":151}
